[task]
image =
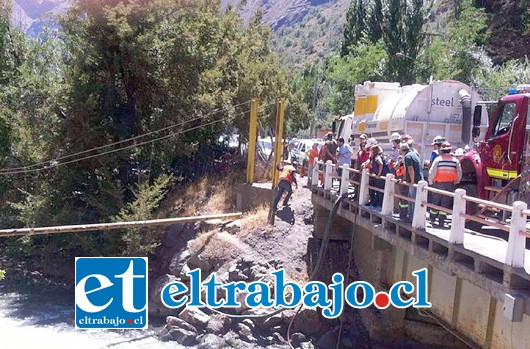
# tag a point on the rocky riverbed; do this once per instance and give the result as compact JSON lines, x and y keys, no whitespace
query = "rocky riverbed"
{"x":245,"y":250}
{"x":250,"y":250}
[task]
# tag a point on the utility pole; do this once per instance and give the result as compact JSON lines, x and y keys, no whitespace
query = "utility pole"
{"x":313,"y":125}
{"x":427,"y":45}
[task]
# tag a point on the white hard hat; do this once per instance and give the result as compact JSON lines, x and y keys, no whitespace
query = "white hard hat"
{"x":371,"y":142}
{"x":459,"y":152}
{"x":395,"y":137}
{"x":438,"y":140}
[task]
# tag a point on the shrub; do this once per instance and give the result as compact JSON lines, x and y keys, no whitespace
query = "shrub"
{"x":143,"y":241}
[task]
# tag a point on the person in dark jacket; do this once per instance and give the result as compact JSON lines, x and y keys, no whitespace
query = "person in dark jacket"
{"x":413,"y":174}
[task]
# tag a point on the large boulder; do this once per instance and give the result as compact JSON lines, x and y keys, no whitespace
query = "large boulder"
{"x":298,"y":338}
{"x":266,"y":323}
{"x":175,"y":322}
{"x":197,"y":261}
{"x":328,"y":340}
{"x":307,"y":345}
{"x":156,"y":308}
{"x":183,"y":336}
{"x":233,"y":227}
{"x":218,"y":324}
{"x":195,"y":317}
{"x":245,"y":333}
{"x":211,"y":341}
{"x":178,"y":261}
{"x":307,"y":321}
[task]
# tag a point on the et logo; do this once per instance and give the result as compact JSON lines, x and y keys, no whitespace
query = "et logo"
{"x":111,"y":292}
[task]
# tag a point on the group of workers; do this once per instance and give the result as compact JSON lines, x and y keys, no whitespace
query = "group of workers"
{"x":444,"y":170}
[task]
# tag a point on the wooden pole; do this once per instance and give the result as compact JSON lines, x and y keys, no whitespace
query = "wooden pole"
{"x":111,"y":226}
{"x":278,"y":154}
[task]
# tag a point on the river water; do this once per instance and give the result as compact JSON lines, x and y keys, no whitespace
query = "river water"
{"x":42,"y":322}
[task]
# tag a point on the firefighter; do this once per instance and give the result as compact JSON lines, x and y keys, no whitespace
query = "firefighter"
{"x":287,"y":177}
{"x":444,"y":174}
{"x":436,"y":143}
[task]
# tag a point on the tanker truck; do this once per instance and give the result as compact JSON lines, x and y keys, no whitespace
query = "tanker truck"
{"x":422,"y":111}
{"x":498,"y":155}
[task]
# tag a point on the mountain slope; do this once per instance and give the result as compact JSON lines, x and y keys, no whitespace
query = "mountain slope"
{"x":33,"y":15}
{"x":304,"y":31}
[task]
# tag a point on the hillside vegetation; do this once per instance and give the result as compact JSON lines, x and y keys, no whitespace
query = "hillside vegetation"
{"x":129,"y":100}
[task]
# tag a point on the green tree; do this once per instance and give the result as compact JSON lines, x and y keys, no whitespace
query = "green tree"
{"x":458,"y":54}
{"x":122,"y":69}
{"x":354,"y":29}
{"x":494,"y":81}
{"x":367,"y":62}
{"x":399,"y":23}
{"x":403,"y":24}
{"x":147,"y":197}
{"x":374,"y":21}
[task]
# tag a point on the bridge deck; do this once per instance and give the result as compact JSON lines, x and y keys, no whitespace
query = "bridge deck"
{"x":480,"y":252}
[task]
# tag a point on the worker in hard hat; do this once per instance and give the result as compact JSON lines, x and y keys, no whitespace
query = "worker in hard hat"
{"x":412,"y":174}
{"x":287,"y":178}
{"x":436,"y":144}
{"x":367,"y":155}
{"x":402,"y":205}
{"x":444,"y":174}
{"x":395,"y":139}
{"x":410,"y":142}
{"x":459,"y":152}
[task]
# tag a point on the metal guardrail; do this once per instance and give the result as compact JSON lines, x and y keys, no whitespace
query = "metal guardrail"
{"x":516,"y":227}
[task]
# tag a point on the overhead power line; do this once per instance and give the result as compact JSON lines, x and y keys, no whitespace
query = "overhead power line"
{"x":38,"y":164}
{"x":55,"y":165}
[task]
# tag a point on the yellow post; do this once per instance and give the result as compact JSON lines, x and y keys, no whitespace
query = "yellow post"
{"x":253,"y":129}
{"x":278,"y":153}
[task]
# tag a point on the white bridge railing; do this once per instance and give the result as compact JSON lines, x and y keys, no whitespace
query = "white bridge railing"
{"x":357,"y":182}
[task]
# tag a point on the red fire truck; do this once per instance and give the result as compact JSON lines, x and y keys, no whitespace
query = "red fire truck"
{"x":502,"y":159}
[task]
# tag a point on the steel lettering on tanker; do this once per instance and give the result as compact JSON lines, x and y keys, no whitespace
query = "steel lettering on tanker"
{"x":443,"y":102}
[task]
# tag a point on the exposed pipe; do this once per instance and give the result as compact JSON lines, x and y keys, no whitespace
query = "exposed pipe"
{"x":465,"y":100}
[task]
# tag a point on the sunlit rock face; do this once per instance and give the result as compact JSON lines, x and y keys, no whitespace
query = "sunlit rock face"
{"x":33,"y":15}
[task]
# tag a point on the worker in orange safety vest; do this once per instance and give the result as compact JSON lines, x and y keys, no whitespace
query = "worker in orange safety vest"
{"x":287,"y":177}
{"x":444,"y":174}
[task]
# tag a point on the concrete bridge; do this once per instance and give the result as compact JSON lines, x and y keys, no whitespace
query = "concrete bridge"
{"x":479,"y":285}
